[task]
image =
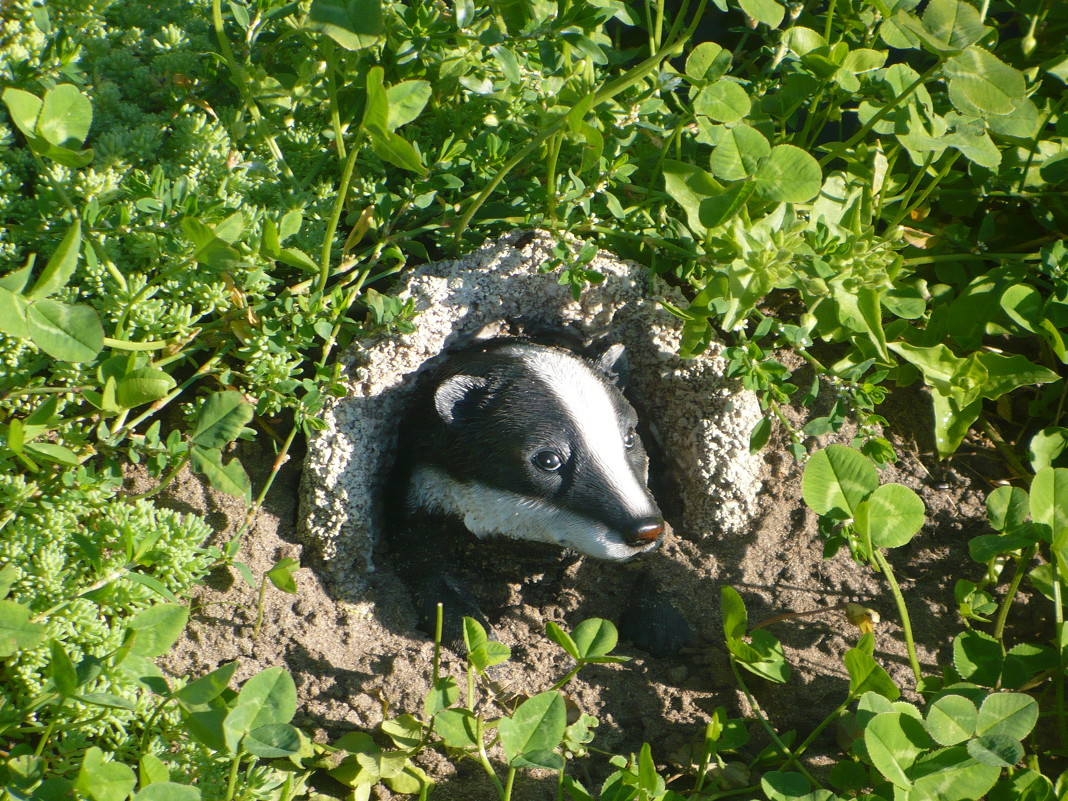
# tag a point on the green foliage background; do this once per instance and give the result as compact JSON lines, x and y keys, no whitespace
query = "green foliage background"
{"x":201,"y":201}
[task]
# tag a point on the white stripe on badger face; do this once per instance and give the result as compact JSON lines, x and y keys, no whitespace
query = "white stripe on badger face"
{"x":586,"y":401}
{"x":488,"y":511}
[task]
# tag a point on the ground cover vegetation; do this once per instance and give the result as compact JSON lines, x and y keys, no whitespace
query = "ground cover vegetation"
{"x":200,"y":202}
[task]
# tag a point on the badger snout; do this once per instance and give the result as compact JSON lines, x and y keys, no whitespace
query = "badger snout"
{"x":645,"y":531}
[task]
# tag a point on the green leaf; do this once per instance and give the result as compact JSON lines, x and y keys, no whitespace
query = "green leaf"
{"x":13,"y":315}
{"x":16,"y":630}
{"x":1023,"y":785}
{"x":281,"y":574}
{"x":950,"y":775}
{"x":894,"y":741}
{"x":688,"y":186}
{"x":157,"y":628}
{"x":784,"y":786}
{"x":230,"y":478}
{"x":407,"y":100}
{"x":397,"y":150}
{"x":1006,"y":373}
{"x":1049,"y":503}
{"x":735,"y":618}
{"x":594,"y":638}
{"x":722,"y":101}
{"x":405,"y":731}
{"x":457,"y":727}
{"x":838,"y":478}
{"x":977,"y":657}
{"x":891,"y":516}
{"x":789,"y":175}
{"x":1023,"y":303}
{"x":760,"y":434}
{"x":763,"y":656}
{"x":1010,"y":714}
{"x":273,"y":741}
{"x":483,"y":653}
{"x":1047,"y":448}
{"x":65,"y":117}
{"x":273,"y":694}
{"x":64,"y":675}
{"x":951,"y":720}
{"x":770,"y":12}
{"x":997,"y":750}
{"x":714,"y":211}
{"x":67,"y":333}
{"x":24,"y":109}
{"x":1007,"y":508}
{"x":562,"y":638}
{"x":739,"y":154}
{"x":537,"y":725}
{"x":207,"y":687}
{"x":353,"y":24}
{"x":167,"y":791}
{"x":221,"y":419}
{"x":153,"y":770}
{"x":952,"y":421}
{"x":143,"y":385}
{"x":980,"y":83}
{"x":955,"y":22}
{"x":104,"y":781}
{"x":707,"y":62}
{"x":51,"y":452}
{"x":866,"y":675}
{"x":61,"y":266}
{"x":443,"y":694}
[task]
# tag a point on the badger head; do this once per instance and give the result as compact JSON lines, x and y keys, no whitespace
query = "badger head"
{"x":537,"y":443}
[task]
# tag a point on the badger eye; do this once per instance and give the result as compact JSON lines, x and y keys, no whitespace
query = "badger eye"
{"x":549,"y":461}
{"x":630,"y":439}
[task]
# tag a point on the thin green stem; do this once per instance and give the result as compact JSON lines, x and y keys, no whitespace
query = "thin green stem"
{"x":827,"y":721}
{"x":48,"y":731}
{"x":942,"y":173}
{"x":241,"y":78}
{"x":606,"y":92}
{"x":335,"y":215}
{"x":164,"y":482}
{"x":1010,"y":594}
{"x":567,"y":676}
{"x":762,"y":718}
{"x":122,"y":344}
{"x":903,"y":612}
{"x":1006,"y":451}
{"x":331,"y":87}
{"x":483,"y":758}
{"x":830,"y":19}
{"x":1058,"y":617}
{"x":955,"y":257}
{"x":508,"y":785}
{"x":235,"y":766}
{"x":880,"y":114}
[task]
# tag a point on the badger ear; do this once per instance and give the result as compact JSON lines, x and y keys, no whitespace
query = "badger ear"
{"x":457,"y":395}
{"x":613,"y":363}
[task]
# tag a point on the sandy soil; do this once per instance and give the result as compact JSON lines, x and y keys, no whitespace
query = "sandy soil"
{"x":354,"y":668}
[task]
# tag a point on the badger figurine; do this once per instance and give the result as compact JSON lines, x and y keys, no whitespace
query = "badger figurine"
{"x":510,"y":438}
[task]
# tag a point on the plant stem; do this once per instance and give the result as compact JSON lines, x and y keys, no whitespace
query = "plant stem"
{"x":899,"y":599}
{"x":235,"y":766}
{"x":335,"y":215}
{"x":1003,"y":447}
{"x":893,"y":104}
{"x":508,"y":785}
{"x":484,"y":759}
{"x":164,"y":482}
{"x":240,"y":78}
{"x":790,"y":755}
{"x":606,"y":92}
{"x":827,"y":721}
{"x":1010,"y":594}
{"x":1058,"y":617}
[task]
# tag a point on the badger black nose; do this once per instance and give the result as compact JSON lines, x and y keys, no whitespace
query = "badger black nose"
{"x":646,"y":531}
